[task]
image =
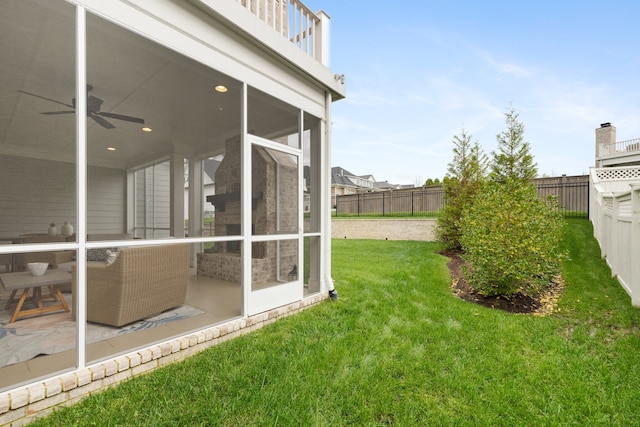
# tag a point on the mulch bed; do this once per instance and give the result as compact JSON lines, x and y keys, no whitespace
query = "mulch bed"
{"x":539,"y":305}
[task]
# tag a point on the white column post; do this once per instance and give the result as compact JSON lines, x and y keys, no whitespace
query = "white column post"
{"x":196,"y":205}
{"x":81,"y":187}
{"x":325,"y":199}
{"x":322,"y":38}
{"x":245,"y":202}
{"x":177,"y":195}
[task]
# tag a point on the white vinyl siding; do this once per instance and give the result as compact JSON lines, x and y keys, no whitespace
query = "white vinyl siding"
{"x":153,"y":197}
{"x":106,"y":201}
{"x":34,"y":200}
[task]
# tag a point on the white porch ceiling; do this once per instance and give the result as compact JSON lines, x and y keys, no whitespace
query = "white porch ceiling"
{"x":133,"y":76}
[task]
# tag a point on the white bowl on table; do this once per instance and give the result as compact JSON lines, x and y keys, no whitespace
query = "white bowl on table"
{"x":37,"y":268}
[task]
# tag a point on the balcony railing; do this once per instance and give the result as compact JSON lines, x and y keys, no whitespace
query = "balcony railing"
{"x":294,"y":21}
{"x":628,"y":145}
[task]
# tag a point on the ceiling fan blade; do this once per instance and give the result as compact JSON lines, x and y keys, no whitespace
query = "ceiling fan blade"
{"x":93,"y":109}
{"x":50,"y":113}
{"x":121,"y":117}
{"x":102,"y":122}
{"x":45,"y":98}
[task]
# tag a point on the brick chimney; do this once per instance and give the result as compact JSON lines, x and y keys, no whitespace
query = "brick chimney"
{"x":605,"y":140}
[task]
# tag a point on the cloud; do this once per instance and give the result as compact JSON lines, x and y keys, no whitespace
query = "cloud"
{"x":505,"y":68}
{"x":366,"y":98}
{"x":399,"y":118}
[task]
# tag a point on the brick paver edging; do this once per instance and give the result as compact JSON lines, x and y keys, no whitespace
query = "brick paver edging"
{"x":22,"y":405}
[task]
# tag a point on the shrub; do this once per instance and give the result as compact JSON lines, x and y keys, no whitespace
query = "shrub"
{"x":513,"y":159}
{"x":465,"y":174}
{"x":510,"y":239}
{"x":458,"y":197}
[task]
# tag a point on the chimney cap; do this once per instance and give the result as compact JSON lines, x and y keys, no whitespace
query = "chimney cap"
{"x":605,"y":125}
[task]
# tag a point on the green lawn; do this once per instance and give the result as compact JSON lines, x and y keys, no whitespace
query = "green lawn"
{"x":398,"y":349}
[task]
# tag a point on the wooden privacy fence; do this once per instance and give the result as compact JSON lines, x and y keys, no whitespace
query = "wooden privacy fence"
{"x":572,"y":193}
{"x":411,"y":202}
{"x":573,"y":196}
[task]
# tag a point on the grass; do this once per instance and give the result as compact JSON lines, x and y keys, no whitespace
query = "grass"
{"x":398,"y":349}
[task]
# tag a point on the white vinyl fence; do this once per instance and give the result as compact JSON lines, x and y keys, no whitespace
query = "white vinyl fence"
{"x":615,"y":214}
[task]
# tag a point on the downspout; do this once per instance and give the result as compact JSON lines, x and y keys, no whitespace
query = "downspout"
{"x":333,"y":294}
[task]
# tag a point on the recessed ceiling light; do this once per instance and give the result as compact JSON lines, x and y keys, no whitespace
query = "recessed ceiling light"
{"x":221,"y":88}
{"x":111,"y":148}
{"x":146,"y":129}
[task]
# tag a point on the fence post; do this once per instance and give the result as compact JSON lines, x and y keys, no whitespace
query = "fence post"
{"x":563,"y":193}
{"x":358,"y":203}
{"x":412,"y":203}
{"x":383,"y":204}
{"x":588,"y":200}
{"x":634,"y":279}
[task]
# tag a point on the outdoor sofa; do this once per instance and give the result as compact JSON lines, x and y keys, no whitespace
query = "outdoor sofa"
{"x":142,"y":281}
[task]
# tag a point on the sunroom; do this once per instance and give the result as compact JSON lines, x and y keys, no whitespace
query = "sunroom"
{"x":167,"y":161}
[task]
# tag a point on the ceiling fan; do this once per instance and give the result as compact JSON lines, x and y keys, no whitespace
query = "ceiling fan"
{"x":93,"y":109}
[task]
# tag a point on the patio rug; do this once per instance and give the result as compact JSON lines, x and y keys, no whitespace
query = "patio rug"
{"x":52,"y":333}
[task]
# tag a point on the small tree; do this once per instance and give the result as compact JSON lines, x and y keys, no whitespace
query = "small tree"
{"x":510,"y":236}
{"x":465,"y":174}
{"x":513,"y":160}
{"x":428,"y":182}
{"x":510,"y":239}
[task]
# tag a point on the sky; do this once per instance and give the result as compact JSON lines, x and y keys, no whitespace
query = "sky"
{"x":417,"y":72}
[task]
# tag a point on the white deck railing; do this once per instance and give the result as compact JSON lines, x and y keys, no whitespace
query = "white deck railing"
{"x":293,"y":20}
{"x":615,"y":214}
{"x":628,"y":145}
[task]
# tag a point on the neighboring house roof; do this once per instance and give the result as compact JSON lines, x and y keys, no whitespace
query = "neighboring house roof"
{"x":386,"y":186}
{"x":342,"y":177}
{"x":210,"y":167}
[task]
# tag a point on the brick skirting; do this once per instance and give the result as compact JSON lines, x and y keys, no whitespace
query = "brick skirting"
{"x":22,"y":405}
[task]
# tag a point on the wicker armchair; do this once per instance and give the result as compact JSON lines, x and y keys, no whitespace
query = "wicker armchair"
{"x":143,"y":281}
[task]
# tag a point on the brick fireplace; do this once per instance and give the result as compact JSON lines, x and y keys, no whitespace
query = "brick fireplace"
{"x":274,"y":210}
